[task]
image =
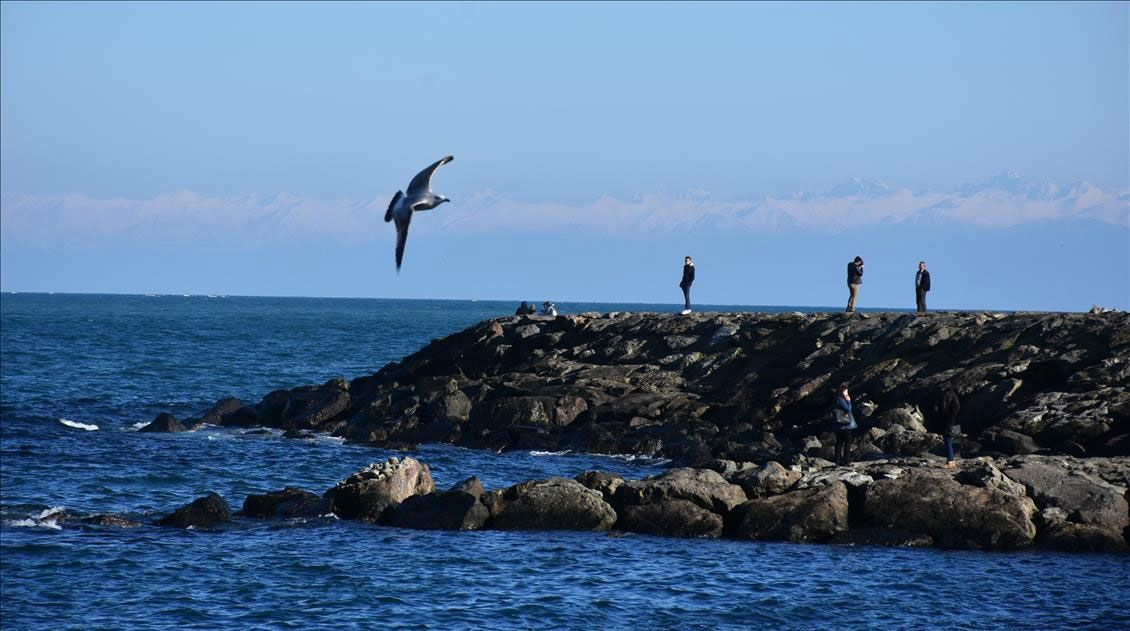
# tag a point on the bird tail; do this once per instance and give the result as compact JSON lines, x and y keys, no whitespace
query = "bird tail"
{"x":395,"y":198}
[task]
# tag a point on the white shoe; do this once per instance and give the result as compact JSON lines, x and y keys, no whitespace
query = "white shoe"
{"x":684,"y":312}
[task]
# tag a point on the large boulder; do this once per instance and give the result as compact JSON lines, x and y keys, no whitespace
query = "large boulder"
{"x":815,"y":514}
{"x":368,"y":493}
{"x":602,"y":481}
{"x":164,"y":422}
{"x":671,"y":518}
{"x":769,"y":479}
{"x":218,"y":413}
{"x":287,"y":503}
{"x":458,"y":508}
{"x":552,"y":504}
{"x":932,"y":502}
{"x":704,"y":487}
{"x":1085,"y":501}
{"x":203,"y":512}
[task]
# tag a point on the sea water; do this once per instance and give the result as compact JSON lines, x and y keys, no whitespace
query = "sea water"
{"x":80,"y":373}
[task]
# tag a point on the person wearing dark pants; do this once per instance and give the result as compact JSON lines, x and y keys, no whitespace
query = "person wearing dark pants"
{"x":685,"y":284}
{"x":845,"y":424}
{"x":945,"y":413}
{"x":921,"y":286}
{"x":854,"y":280}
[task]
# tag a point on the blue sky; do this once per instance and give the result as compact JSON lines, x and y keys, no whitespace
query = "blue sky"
{"x":549,"y":103}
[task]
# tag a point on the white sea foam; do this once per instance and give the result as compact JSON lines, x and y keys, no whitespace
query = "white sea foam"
{"x":550,"y":453}
{"x":75,"y":424}
{"x":140,"y":424}
{"x":47,"y":518}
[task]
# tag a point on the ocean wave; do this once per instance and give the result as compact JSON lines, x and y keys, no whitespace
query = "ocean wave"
{"x":551,"y":453}
{"x":47,"y":518}
{"x":75,"y":424}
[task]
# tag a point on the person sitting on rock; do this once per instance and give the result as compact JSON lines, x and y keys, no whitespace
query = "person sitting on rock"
{"x":845,"y":423}
{"x":548,"y":309}
{"x":525,"y":309}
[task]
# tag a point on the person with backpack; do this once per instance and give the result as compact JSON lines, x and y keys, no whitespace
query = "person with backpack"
{"x":944,"y":421}
{"x":845,"y":423}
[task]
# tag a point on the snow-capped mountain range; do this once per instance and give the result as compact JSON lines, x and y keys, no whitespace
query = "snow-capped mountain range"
{"x":1002,"y":201}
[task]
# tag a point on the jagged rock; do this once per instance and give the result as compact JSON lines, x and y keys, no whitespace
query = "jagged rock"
{"x":552,"y":504}
{"x":955,"y":515}
{"x":1086,"y":499}
{"x":816,"y":514}
{"x":368,"y":493}
{"x":605,"y":483}
{"x":164,"y":422}
{"x":202,"y":512}
{"x":458,"y":508}
{"x":748,"y":386}
{"x":704,"y":487}
{"x":769,"y":479}
{"x":218,"y":413}
{"x":289,"y":502}
{"x":984,"y":474}
{"x":670,"y":518}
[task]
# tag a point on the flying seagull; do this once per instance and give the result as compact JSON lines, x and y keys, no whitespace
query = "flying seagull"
{"x":418,"y":197}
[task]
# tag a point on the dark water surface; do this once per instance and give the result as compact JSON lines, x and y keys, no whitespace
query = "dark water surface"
{"x":79,"y":374}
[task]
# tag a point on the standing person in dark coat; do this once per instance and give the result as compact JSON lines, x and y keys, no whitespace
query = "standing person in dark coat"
{"x":945,"y":413}
{"x":854,"y":280}
{"x":845,"y":423}
{"x":921,"y":286}
{"x":685,"y":284}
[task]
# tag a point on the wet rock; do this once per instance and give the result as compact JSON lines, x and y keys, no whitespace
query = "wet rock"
{"x":288,"y":503}
{"x":552,"y":504}
{"x":368,"y":493}
{"x":204,"y":512}
{"x":816,"y":514}
{"x":218,"y":413}
{"x":164,"y":422}
{"x":111,"y":520}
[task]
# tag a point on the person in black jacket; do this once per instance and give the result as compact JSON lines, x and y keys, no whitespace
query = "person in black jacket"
{"x":944,"y":421}
{"x":854,"y":280}
{"x":921,"y":286}
{"x":685,"y":284}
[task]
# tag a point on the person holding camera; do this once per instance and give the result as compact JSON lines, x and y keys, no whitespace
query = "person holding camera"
{"x":854,"y":279}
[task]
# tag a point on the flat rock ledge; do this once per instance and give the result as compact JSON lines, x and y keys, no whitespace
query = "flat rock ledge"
{"x":1050,"y":502}
{"x":745,"y":387}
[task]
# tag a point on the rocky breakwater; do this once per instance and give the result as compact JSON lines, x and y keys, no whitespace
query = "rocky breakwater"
{"x":1051,"y":502}
{"x":743,"y":387}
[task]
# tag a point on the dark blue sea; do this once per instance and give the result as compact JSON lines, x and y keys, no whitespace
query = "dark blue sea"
{"x":80,"y":373}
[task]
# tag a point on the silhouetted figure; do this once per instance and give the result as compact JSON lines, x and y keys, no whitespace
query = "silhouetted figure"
{"x":525,"y":309}
{"x":685,"y":284}
{"x":921,"y":286}
{"x":854,"y":280}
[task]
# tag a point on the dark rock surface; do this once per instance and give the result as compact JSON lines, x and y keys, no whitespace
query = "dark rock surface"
{"x":459,"y":508}
{"x":203,"y":512}
{"x":289,"y":502}
{"x":738,"y":386}
{"x":164,"y":422}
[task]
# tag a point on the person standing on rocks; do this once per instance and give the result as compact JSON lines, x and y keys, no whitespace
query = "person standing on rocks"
{"x":854,"y":280}
{"x":921,"y":286}
{"x":945,"y":415}
{"x":845,"y":423}
{"x":685,"y":284}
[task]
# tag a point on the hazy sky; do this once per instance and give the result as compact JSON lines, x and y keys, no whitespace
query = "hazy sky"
{"x":119,"y":120}
{"x":558,"y":102}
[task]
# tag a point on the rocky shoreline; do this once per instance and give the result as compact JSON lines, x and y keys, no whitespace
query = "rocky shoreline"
{"x":1049,"y":502}
{"x":732,"y":398}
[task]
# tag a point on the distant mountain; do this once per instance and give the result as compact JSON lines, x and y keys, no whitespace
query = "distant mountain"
{"x":259,"y":221}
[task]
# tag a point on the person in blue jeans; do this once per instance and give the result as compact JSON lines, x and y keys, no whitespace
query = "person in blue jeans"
{"x":845,"y":423}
